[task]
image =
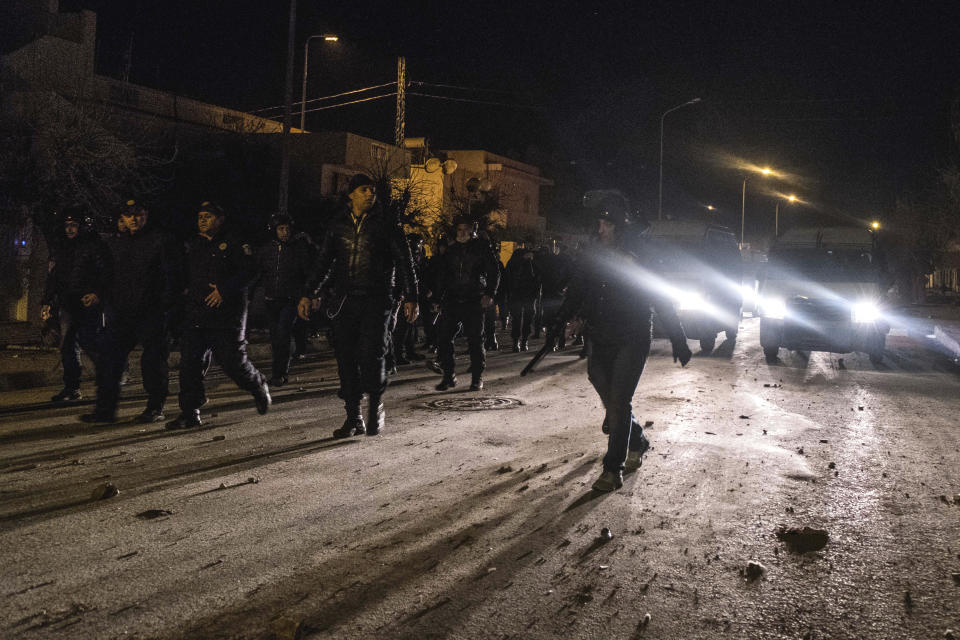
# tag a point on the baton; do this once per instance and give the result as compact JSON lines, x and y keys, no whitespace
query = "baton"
{"x":539,"y":355}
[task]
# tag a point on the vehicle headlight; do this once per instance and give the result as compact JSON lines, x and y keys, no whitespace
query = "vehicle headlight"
{"x":865,"y":312}
{"x":775,"y":308}
{"x":690,"y":301}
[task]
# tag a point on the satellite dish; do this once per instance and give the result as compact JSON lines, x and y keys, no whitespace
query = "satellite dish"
{"x":449,"y":166}
{"x":432,"y":165}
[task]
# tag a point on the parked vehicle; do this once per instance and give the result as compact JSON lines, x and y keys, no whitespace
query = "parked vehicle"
{"x":700,"y":267}
{"x":824,"y":289}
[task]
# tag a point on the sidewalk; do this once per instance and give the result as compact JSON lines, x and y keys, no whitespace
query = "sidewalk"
{"x":937,"y":321}
{"x":30,"y":366}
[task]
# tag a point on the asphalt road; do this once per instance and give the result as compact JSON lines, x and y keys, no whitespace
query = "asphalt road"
{"x":481,"y":524}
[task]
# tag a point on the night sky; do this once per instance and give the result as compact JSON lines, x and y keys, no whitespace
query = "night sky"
{"x":851,"y":100}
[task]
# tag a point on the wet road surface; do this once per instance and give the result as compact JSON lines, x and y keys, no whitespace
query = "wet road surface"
{"x":481,"y":524}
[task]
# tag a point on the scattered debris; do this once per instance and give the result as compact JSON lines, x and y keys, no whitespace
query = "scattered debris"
{"x":648,"y":424}
{"x":604,"y":567}
{"x":800,"y":450}
{"x":710,"y":433}
{"x":754,"y":570}
{"x":949,"y":635}
{"x":824,"y":441}
{"x":104,"y":491}
{"x":548,"y":592}
{"x":832,"y":465}
{"x":505,"y":469}
{"x":218,"y":438}
{"x":772,"y":386}
{"x":764,"y":432}
{"x":907,"y":601}
{"x":152,"y":514}
{"x":491,"y":569}
{"x":743,"y":417}
{"x":803,"y":540}
{"x":956,"y":578}
{"x":606,"y":534}
{"x":646,"y":619}
{"x":253,"y":480}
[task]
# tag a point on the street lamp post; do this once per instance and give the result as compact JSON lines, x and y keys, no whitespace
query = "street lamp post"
{"x":743,"y":203}
{"x":327,"y":37}
{"x":660,"y":198}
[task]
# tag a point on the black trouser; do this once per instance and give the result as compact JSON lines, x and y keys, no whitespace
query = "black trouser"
{"x":229,"y":347}
{"x":490,"y":325}
{"x":282,"y":315}
{"x":614,"y":370}
{"x":360,"y":340}
{"x":551,"y":305}
{"x":403,"y":337}
{"x":125,"y":332}
{"x":82,"y":328}
{"x":521,"y":310}
{"x":454,"y":317}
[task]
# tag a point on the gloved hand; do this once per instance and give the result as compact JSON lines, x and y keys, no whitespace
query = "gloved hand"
{"x":681,"y":352}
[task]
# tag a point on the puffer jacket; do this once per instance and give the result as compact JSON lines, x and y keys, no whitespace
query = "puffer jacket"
{"x":468,"y":271}
{"x":80,"y":266}
{"x":147,"y":275}
{"x":365,"y":258}
{"x":227,"y":262}
{"x":283,"y":266}
{"x":615,"y":292}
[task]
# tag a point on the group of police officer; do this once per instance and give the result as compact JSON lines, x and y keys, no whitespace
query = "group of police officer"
{"x":135,"y":287}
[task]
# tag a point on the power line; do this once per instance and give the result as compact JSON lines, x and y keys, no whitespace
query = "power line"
{"x":343,"y":104}
{"x":335,"y":95}
{"x":487,"y":102}
{"x":452,"y":86}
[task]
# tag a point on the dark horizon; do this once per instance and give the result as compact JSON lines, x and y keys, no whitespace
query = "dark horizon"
{"x":855,"y":103}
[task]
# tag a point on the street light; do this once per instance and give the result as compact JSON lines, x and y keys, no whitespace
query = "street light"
{"x":327,"y":37}
{"x":875,"y":224}
{"x":776,"y":218}
{"x":679,"y":106}
{"x":765,"y":171}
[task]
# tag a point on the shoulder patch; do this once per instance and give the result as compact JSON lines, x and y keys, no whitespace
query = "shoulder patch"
{"x":223,"y":246}
{"x":247,"y":250}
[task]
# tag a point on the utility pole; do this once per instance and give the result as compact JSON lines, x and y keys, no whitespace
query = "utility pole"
{"x":401,"y":124}
{"x":282,"y":205}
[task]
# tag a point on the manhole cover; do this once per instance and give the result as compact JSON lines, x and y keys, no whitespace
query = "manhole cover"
{"x":474,"y":404}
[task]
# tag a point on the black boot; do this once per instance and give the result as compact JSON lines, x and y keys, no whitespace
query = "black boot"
{"x":516,"y":346}
{"x":261,"y":397}
{"x":186,"y":420}
{"x":375,"y":416}
{"x":448,"y":382}
{"x":151,"y":414}
{"x":523,"y":345}
{"x":353,"y":425}
{"x":67,"y":395}
{"x":99,"y":416}
{"x":477,"y":383}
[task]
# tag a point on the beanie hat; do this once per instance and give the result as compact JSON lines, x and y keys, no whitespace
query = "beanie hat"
{"x":358,"y":180}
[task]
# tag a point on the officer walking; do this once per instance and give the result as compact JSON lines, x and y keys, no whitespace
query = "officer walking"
{"x":283,"y":265}
{"x":467,"y":283}
{"x":612,"y":294}
{"x":523,"y":278}
{"x":219,"y":271}
{"x":74,"y":291}
{"x":405,"y":333}
{"x":361,"y":252}
{"x":146,"y":285}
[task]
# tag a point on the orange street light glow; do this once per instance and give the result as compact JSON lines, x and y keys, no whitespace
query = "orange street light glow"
{"x":875,"y":224}
{"x":331,"y":38}
{"x":792,"y":198}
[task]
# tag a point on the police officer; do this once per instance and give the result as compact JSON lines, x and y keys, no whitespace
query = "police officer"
{"x":500,"y":302}
{"x":555,"y":271}
{"x":75,"y":288}
{"x":612,"y":294}
{"x":146,"y":284}
{"x":523,"y":278}
{"x":219,"y":271}
{"x":283,"y":264}
{"x":467,"y":283}
{"x":362,"y":251}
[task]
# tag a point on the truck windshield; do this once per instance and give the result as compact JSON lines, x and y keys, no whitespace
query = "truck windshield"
{"x":823,"y":264}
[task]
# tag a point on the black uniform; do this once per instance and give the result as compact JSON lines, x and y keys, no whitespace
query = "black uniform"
{"x":360,"y":258}
{"x":613,"y":293}
{"x":227,"y":262}
{"x":523,"y":284}
{"x":283,"y":267}
{"x":555,"y":271}
{"x":147,"y":280}
{"x":467,"y":272}
{"x":80,"y":266}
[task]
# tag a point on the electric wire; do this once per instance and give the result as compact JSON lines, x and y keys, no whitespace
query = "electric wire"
{"x":330,"y":97}
{"x":487,"y":102}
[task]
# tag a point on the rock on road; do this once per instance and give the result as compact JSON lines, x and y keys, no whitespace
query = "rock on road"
{"x":481,"y":524}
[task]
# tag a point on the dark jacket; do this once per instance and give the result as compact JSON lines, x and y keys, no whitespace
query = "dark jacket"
{"x":555,"y":272}
{"x":365,"y":258}
{"x":148,"y":272}
{"x":523,"y":277}
{"x":614,"y":291}
{"x":226,"y":262}
{"x":80,"y":266}
{"x":467,"y":271}
{"x":283,"y":266}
